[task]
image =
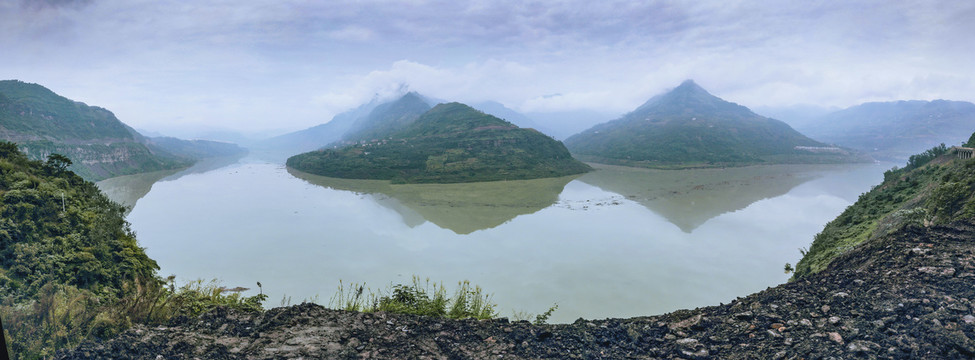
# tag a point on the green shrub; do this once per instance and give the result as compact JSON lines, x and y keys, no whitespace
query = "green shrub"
{"x":543,"y":317}
{"x":948,"y":199}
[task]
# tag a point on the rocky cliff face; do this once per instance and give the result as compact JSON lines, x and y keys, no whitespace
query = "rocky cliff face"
{"x":906,"y":295}
{"x":104,"y":159}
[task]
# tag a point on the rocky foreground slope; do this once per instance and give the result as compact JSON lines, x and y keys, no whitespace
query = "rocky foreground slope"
{"x":905,"y":295}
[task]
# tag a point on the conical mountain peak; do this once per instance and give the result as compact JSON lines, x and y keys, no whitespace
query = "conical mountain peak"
{"x":688,"y":126}
{"x":690,"y":100}
{"x":690,"y":92}
{"x":412,"y":95}
{"x":689,"y":86}
{"x":688,"y":95}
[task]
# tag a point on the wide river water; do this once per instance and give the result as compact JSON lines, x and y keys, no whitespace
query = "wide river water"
{"x":616,"y":242}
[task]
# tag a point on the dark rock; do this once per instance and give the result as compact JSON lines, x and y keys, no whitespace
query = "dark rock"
{"x":747,"y":315}
{"x":835,"y":336}
{"x":862,"y":346}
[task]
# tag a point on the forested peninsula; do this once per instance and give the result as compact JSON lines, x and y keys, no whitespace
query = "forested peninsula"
{"x":450,"y":143}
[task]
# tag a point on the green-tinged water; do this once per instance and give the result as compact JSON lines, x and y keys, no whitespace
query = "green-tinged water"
{"x":617,"y":242}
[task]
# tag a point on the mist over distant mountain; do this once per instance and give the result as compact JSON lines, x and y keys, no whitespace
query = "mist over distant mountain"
{"x":498,"y":110}
{"x":895,"y":130}
{"x":689,"y":127}
{"x":562,"y":124}
{"x":196,"y":149}
{"x":367,"y":122}
{"x":796,"y":116}
{"x":317,"y":136}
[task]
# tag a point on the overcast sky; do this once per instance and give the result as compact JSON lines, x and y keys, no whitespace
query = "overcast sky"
{"x":275,"y":65}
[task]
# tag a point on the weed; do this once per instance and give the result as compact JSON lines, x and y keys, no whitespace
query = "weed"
{"x":543,"y":317}
{"x":418,"y":298}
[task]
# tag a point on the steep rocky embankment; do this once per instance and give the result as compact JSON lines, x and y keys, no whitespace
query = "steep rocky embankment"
{"x":908,"y":294}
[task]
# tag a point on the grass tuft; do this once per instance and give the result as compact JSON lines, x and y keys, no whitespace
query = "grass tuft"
{"x":418,"y":298}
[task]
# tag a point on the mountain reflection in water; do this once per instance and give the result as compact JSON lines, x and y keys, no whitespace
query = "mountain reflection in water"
{"x":462,"y":208}
{"x":689,"y":198}
{"x":598,"y":252}
{"x":127,"y":190}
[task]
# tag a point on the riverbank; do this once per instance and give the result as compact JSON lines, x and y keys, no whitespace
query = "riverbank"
{"x":905,"y":295}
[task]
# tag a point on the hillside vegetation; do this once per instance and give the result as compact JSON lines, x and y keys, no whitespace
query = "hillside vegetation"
{"x":935,"y":187}
{"x":689,"y":127}
{"x":448,"y":144}
{"x":70,"y":266}
{"x":38,"y":113}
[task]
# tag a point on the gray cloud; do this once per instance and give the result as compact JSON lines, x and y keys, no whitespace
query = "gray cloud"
{"x":286,"y":64}
{"x":41,"y":4}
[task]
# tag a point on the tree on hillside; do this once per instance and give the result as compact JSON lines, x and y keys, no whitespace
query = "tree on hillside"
{"x":57,"y":163}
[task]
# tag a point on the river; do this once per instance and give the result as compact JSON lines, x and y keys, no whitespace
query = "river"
{"x":616,"y":242}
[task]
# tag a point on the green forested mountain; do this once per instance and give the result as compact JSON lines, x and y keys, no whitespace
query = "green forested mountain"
{"x":935,"y":187}
{"x":894,"y":130}
{"x":689,"y":127}
{"x":99,"y":145}
{"x":449,"y":143}
{"x":33,"y":112}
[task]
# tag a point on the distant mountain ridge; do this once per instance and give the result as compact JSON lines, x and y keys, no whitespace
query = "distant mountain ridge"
{"x":449,"y":143}
{"x":500,"y":111}
{"x":895,"y":130}
{"x":195,"y":149}
{"x":318,"y":136}
{"x":689,"y":127}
